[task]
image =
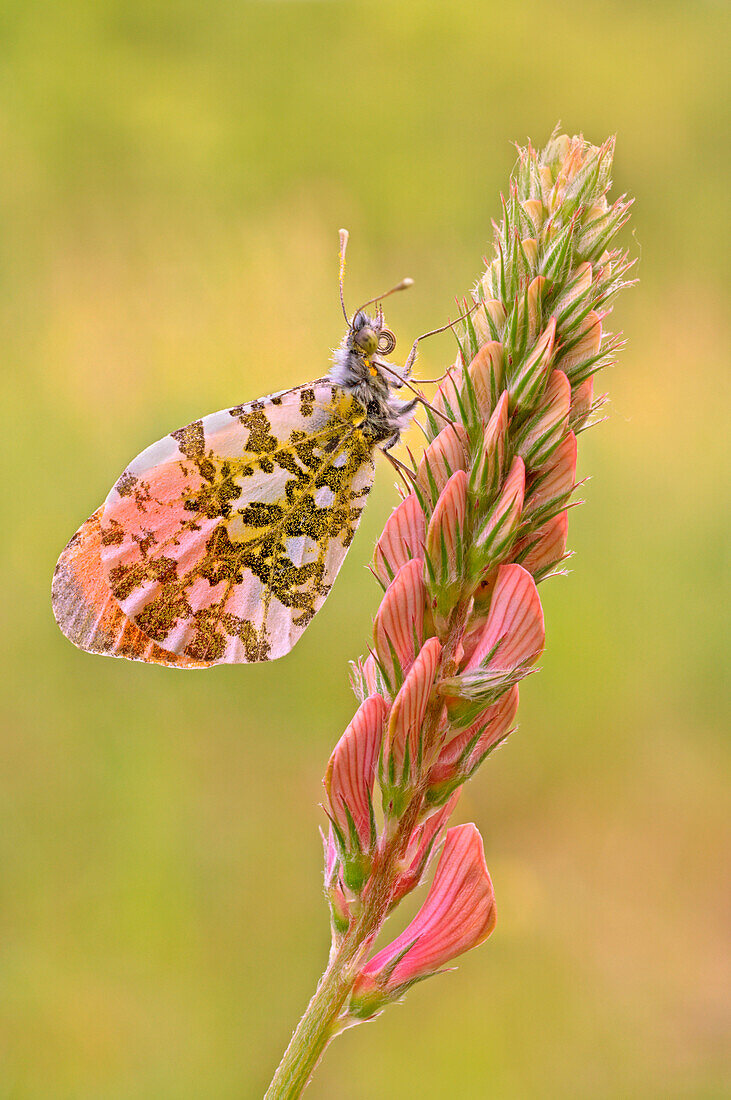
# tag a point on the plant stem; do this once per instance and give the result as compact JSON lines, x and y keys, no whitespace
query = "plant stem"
{"x":319,"y":1024}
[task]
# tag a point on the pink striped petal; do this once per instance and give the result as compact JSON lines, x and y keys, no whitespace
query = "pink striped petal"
{"x":423,"y":844}
{"x":492,"y":726}
{"x":402,"y":539}
{"x":458,"y":914}
{"x":352,"y":768}
{"x":497,"y":533}
{"x":587,"y":346}
{"x":582,"y":398}
{"x":399,"y":625}
{"x":489,"y":470}
{"x":515,"y":621}
{"x":446,"y":528}
{"x":546,"y":546}
{"x":486,"y":374}
{"x":445,"y":399}
{"x":409,"y":707}
{"x":443,"y":457}
{"x":552,"y":481}
{"x":536,"y":290}
{"x":548,"y":424}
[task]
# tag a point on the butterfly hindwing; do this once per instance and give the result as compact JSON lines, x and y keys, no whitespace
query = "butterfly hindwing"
{"x":88,"y":614}
{"x":221,"y":541}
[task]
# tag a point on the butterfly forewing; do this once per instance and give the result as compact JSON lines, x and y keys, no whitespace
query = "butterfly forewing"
{"x":221,"y":541}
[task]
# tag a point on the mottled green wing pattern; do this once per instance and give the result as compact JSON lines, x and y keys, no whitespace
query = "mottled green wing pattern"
{"x":221,"y":541}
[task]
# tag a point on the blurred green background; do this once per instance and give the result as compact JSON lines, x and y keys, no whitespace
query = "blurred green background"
{"x":173,"y":178}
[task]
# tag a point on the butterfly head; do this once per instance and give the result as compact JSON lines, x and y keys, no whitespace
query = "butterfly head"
{"x":368,"y":335}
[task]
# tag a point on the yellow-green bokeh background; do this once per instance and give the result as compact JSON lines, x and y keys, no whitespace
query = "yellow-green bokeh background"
{"x":173,"y":177}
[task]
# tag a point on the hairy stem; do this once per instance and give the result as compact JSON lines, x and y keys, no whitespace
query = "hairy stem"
{"x":319,"y":1024}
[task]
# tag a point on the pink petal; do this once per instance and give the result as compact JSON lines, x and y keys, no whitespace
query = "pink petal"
{"x":547,"y":545}
{"x":586,"y":347}
{"x":447,"y":523}
{"x":445,"y":399}
{"x":399,"y":623}
{"x":458,"y":914}
{"x":352,"y":768}
{"x":515,"y":621}
{"x":502,"y":522}
{"x":486,"y":374}
{"x":556,"y":478}
{"x":402,"y":539}
{"x":444,"y":456}
{"x":492,"y":725}
{"x":549,"y":423}
{"x":422,"y":846}
{"x":409,"y":707}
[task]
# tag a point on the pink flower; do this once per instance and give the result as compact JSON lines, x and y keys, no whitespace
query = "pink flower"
{"x":486,"y":375}
{"x":401,"y":540}
{"x":443,"y":457}
{"x":458,"y":914}
{"x":514,"y":633}
{"x":543,"y":549}
{"x":551,"y":484}
{"x":350,"y":775}
{"x":545,"y":429}
{"x":398,"y":629}
{"x":423,"y":843}
{"x":466,"y":751}
{"x":402,"y":749}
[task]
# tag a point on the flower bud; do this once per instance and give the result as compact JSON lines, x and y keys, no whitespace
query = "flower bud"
{"x":446,"y":400}
{"x":526,"y":384}
{"x":494,"y":536}
{"x":402,"y":749}
{"x":348,"y":782}
{"x":423,"y":843}
{"x":550,"y":485}
{"x":334,"y":886}
{"x":486,"y":374}
{"x":536,"y":290}
{"x":443,"y":457}
{"x":508,"y":644}
{"x":445,"y":544}
{"x":487,"y":473}
{"x":401,"y":540}
{"x":398,"y":628}
{"x":543,"y":549}
{"x":582,"y":399}
{"x":535,"y":212}
{"x":458,"y":914}
{"x":461,"y":756}
{"x":495,"y":313}
{"x":544,"y":429}
{"x":582,"y":350}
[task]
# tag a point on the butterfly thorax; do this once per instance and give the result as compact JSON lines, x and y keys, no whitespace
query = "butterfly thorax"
{"x":360,"y":370}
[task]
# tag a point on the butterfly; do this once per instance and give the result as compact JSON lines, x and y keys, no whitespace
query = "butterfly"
{"x":220,"y":542}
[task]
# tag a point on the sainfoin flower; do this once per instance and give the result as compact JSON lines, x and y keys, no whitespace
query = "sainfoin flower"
{"x":483,"y":523}
{"x":459,"y":913}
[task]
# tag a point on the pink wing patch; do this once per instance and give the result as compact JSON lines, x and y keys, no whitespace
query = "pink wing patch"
{"x":88,"y":614}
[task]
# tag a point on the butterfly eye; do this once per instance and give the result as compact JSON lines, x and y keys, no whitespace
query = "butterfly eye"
{"x":367,"y":340}
{"x":386,"y":341}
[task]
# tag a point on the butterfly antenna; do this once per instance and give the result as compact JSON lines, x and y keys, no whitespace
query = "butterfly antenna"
{"x":403,"y":285}
{"x":343,"y":245}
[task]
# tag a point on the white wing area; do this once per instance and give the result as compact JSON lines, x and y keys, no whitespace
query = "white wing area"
{"x":221,"y":541}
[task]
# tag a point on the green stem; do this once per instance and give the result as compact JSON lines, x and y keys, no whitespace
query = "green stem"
{"x":319,"y":1023}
